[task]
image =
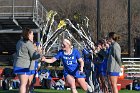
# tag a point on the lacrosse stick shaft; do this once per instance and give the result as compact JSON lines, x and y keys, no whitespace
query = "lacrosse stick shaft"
{"x":73,"y":38}
{"x":52,"y":45}
{"x":89,"y":42}
{"x":52,"y":38}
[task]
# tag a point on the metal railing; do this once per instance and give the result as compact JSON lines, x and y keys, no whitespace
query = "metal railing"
{"x":132,"y":67}
{"x":19,"y":9}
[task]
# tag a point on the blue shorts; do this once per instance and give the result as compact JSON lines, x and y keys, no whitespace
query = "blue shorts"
{"x":113,"y":73}
{"x":103,"y":73}
{"x":75,"y":75}
{"x":103,"y":68}
{"x":24,"y":71}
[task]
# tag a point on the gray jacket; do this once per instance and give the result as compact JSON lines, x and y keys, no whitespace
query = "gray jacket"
{"x":25,"y":54}
{"x":114,"y":61}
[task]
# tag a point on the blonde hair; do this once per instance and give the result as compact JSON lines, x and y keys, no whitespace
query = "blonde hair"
{"x":68,"y":41}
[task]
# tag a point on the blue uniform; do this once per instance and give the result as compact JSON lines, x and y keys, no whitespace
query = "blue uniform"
{"x":87,"y":58}
{"x":70,"y":63}
{"x":103,"y":65}
{"x":88,"y":66}
{"x":87,"y":62}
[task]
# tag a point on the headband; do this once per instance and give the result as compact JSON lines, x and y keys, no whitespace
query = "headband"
{"x":67,"y":41}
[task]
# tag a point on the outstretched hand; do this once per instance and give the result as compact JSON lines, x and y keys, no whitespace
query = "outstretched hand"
{"x":43,"y":58}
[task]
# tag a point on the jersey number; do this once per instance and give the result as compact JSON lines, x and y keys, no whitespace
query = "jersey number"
{"x":69,"y":62}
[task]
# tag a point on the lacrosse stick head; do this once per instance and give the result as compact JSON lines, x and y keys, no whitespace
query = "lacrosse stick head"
{"x":67,"y":21}
{"x":49,"y":14}
{"x":54,"y":13}
{"x":61,"y":24}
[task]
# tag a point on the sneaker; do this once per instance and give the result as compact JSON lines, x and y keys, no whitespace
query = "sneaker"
{"x":10,"y":88}
{"x":89,"y":89}
{"x":31,"y":92}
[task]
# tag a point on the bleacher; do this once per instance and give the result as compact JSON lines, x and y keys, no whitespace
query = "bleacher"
{"x":131,"y":71}
{"x":132,"y":67}
{"x":15,"y":14}
{"x":8,"y":42}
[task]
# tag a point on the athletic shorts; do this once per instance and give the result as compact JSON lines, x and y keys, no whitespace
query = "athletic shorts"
{"x":75,"y":75}
{"x":103,"y":73}
{"x":113,"y":73}
{"x":24,"y":71}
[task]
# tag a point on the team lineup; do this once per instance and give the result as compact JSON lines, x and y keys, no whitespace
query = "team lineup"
{"x":69,"y":46}
{"x":91,"y":69}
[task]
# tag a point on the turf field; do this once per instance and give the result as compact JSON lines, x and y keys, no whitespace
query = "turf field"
{"x":61,"y":91}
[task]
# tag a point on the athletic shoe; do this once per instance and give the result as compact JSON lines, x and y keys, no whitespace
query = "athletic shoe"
{"x":89,"y":89}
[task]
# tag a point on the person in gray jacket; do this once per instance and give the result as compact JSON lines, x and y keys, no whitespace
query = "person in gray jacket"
{"x":25,"y":54}
{"x":114,"y":61}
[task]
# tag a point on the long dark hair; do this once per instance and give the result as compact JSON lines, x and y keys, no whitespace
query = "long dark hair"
{"x":25,"y":34}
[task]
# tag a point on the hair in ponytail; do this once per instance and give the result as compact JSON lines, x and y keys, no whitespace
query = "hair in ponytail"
{"x":114,"y":36}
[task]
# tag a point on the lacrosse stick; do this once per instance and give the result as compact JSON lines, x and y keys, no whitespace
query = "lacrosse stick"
{"x":56,"y":33}
{"x":48,"y":17}
{"x":58,"y":30}
{"x":71,"y":36}
{"x":52,"y":21}
{"x":86,"y":40}
{"x":87,"y":26}
{"x":52,"y":44}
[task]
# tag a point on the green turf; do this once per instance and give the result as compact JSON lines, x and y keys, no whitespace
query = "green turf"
{"x":61,"y":91}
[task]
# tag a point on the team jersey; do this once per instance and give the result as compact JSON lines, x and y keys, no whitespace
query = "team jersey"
{"x":103,"y":65}
{"x":70,"y":62}
{"x":87,"y":56}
